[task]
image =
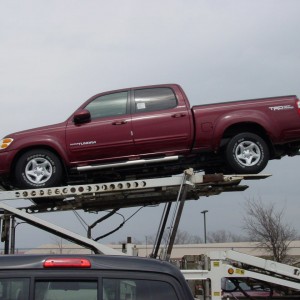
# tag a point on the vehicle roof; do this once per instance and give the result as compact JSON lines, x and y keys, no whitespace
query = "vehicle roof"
{"x":141,"y":87}
{"x":101,"y":262}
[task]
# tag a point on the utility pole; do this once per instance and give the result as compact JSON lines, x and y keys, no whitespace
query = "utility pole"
{"x":204,"y":215}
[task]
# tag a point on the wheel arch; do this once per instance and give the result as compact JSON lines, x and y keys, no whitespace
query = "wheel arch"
{"x":44,"y":147}
{"x":250,"y":127}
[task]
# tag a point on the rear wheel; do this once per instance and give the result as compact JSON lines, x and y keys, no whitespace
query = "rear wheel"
{"x":247,"y":153}
{"x":38,"y":168}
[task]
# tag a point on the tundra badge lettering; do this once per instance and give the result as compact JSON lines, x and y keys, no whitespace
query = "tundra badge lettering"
{"x":83,"y":143}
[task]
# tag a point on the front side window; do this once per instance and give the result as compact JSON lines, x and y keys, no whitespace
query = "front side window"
{"x":108,"y":105}
{"x":14,"y":288}
{"x":136,"y":289}
{"x":63,"y":290}
{"x":154,"y":99}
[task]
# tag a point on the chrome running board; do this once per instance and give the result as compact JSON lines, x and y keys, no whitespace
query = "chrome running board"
{"x":128,"y":163}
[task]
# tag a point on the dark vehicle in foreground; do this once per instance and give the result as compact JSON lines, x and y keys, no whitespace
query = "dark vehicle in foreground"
{"x":151,"y":131}
{"x":92,"y":277}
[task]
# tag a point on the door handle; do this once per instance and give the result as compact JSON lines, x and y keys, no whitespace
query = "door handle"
{"x":119,"y":122}
{"x":179,"y":115}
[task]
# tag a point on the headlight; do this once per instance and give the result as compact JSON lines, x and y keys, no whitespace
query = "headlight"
{"x":4,"y":143}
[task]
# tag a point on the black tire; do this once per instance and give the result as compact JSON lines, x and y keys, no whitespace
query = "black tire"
{"x":247,"y":153}
{"x":38,"y":168}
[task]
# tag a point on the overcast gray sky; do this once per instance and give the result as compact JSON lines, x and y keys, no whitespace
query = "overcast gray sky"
{"x":56,"y":54}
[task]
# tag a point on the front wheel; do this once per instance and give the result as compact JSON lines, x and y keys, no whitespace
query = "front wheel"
{"x":247,"y":153}
{"x":38,"y":168}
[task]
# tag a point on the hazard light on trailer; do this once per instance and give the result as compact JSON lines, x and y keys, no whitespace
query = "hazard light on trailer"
{"x":60,"y":262}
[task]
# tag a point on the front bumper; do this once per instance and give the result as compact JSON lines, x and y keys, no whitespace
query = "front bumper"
{"x":6,"y":161}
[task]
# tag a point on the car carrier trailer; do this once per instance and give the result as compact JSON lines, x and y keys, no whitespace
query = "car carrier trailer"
{"x":111,"y":195}
{"x":168,"y":190}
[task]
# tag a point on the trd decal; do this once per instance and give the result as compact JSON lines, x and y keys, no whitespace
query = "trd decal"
{"x":282,"y":107}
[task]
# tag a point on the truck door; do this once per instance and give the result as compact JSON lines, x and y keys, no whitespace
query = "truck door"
{"x":107,"y":135}
{"x":159,"y":123}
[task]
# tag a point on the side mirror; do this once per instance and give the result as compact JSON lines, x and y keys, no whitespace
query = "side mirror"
{"x":82,"y":116}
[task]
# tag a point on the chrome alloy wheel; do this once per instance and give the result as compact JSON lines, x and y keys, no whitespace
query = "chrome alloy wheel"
{"x":38,"y":170}
{"x":248,"y":153}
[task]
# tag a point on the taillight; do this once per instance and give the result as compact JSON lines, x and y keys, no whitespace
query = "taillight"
{"x":298,"y":106}
{"x":67,"y":262}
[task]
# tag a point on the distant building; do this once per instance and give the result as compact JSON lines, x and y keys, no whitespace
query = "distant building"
{"x":179,"y":251}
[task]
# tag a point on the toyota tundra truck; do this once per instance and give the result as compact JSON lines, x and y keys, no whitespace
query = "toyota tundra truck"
{"x":151,"y":131}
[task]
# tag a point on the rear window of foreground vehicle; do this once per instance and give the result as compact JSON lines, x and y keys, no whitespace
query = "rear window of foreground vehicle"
{"x":108,"y":288}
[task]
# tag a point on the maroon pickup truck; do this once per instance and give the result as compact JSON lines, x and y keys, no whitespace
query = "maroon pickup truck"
{"x":151,"y":131}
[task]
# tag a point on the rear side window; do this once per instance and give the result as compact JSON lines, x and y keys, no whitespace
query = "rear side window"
{"x":66,"y":290}
{"x":14,"y":288}
{"x":154,"y":99}
{"x":108,"y":105}
{"x":136,"y":289}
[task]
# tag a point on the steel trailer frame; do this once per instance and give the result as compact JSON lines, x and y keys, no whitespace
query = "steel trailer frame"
{"x":97,"y":197}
